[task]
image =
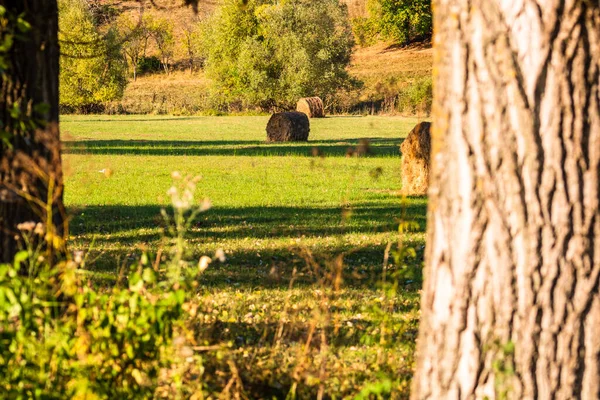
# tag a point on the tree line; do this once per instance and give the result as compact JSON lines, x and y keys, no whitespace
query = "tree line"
{"x":257,"y":53}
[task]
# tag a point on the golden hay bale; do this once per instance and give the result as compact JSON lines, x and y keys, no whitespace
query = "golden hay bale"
{"x":288,"y":127}
{"x":311,"y":106}
{"x":416,"y":154}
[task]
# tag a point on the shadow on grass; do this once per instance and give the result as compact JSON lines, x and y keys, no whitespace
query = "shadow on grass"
{"x":268,"y":239}
{"x":351,"y":333}
{"x":250,"y":269}
{"x":124,"y":222}
{"x":379,"y":147}
{"x":264,"y":377}
{"x":126,"y":120}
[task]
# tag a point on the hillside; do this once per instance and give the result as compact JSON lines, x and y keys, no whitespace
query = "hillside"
{"x":391,"y":79}
{"x":181,"y":16}
{"x":356,"y":8}
{"x":387,"y":70}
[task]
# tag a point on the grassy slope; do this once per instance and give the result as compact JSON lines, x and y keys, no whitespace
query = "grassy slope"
{"x":275,"y":207}
{"x":178,"y":93}
{"x":384,"y":70}
{"x":381,"y":62}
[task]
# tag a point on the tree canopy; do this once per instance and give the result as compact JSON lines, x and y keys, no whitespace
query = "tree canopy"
{"x":271,"y":53}
{"x":92,"y":69}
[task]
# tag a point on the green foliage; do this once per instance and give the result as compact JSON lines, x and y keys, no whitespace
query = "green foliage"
{"x":161,"y":30}
{"x":504,"y":368}
{"x":148,"y":64}
{"x":269,"y":54}
{"x":376,"y":390}
{"x":92,"y":69}
{"x":401,"y":21}
{"x":416,"y":97}
{"x":61,"y":337}
{"x":405,"y":20}
{"x":68,"y":338}
{"x":366,"y":30}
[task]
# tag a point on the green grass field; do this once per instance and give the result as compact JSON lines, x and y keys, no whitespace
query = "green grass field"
{"x":275,"y":208}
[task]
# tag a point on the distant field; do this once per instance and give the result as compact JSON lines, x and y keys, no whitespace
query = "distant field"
{"x":386,"y":72}
{"x":272,"y":205}
{"x":266,"y":191}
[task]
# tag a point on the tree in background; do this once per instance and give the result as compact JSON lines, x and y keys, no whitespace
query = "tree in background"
{"x":161,"y":30}
{"x":269,"y":54}
{"x":92,"y":69}
{"x":401,"y":21}
{"x":192,"y":41}
{"x":511,"y":302}
{"x":134,"y":34}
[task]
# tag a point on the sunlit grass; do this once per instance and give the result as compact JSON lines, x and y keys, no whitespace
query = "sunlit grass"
{"x":272,"y":205}
{"x":258,"y":190}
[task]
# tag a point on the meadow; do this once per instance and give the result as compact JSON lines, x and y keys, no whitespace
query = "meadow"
{"x":294,"y":221}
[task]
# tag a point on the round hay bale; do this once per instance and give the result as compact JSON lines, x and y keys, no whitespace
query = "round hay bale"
{"x":311,"y":106}
{"x":288,"y":127}
{"x":416,"y":154}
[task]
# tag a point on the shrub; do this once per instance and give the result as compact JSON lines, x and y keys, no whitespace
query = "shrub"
{"x":92,"y":69}
{"x":269,"y":54}
{"x":62,"y":338}
{"x":417,"y":97}
{"x":405,"y":20}
{"x":110,"y":344}
{"x":401,"y":21}
{"x":365,"y":30}
{"x":149,"y":64}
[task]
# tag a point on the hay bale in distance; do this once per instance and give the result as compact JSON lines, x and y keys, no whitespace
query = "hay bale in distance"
{"x":288,"y":127}
{"x":416,"y":155}
{"x":311,"y":106}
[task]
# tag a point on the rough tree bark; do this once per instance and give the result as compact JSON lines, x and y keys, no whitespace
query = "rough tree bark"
{"x":30,"y":166}
{"x":511,"y":304}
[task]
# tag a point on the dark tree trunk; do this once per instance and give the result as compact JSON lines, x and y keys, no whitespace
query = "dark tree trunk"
{"x":511,"y":303}
{"x":31,"y":186}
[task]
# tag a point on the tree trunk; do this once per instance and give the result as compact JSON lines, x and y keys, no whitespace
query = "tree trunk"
{"x":31,"y":187}
{"x":511,"y":303}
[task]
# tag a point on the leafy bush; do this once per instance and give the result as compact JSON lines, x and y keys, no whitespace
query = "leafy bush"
{"x":269,"y":54}
{"x":405,"y":20}
{"x":401,"y":21}
{"x":92,"y":69}
{"x":69,"y":338}
{"x":149,"y":64}
{"x":417,"y":97}
{"x":365,"y":30}
{"x":62,"y":338}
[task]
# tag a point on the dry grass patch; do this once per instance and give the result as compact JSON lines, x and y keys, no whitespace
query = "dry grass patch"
{"x":179,"y":93}
{"x":381,"y":61}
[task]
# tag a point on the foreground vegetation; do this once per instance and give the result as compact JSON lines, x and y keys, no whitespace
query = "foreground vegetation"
{"x":296,"y":300}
